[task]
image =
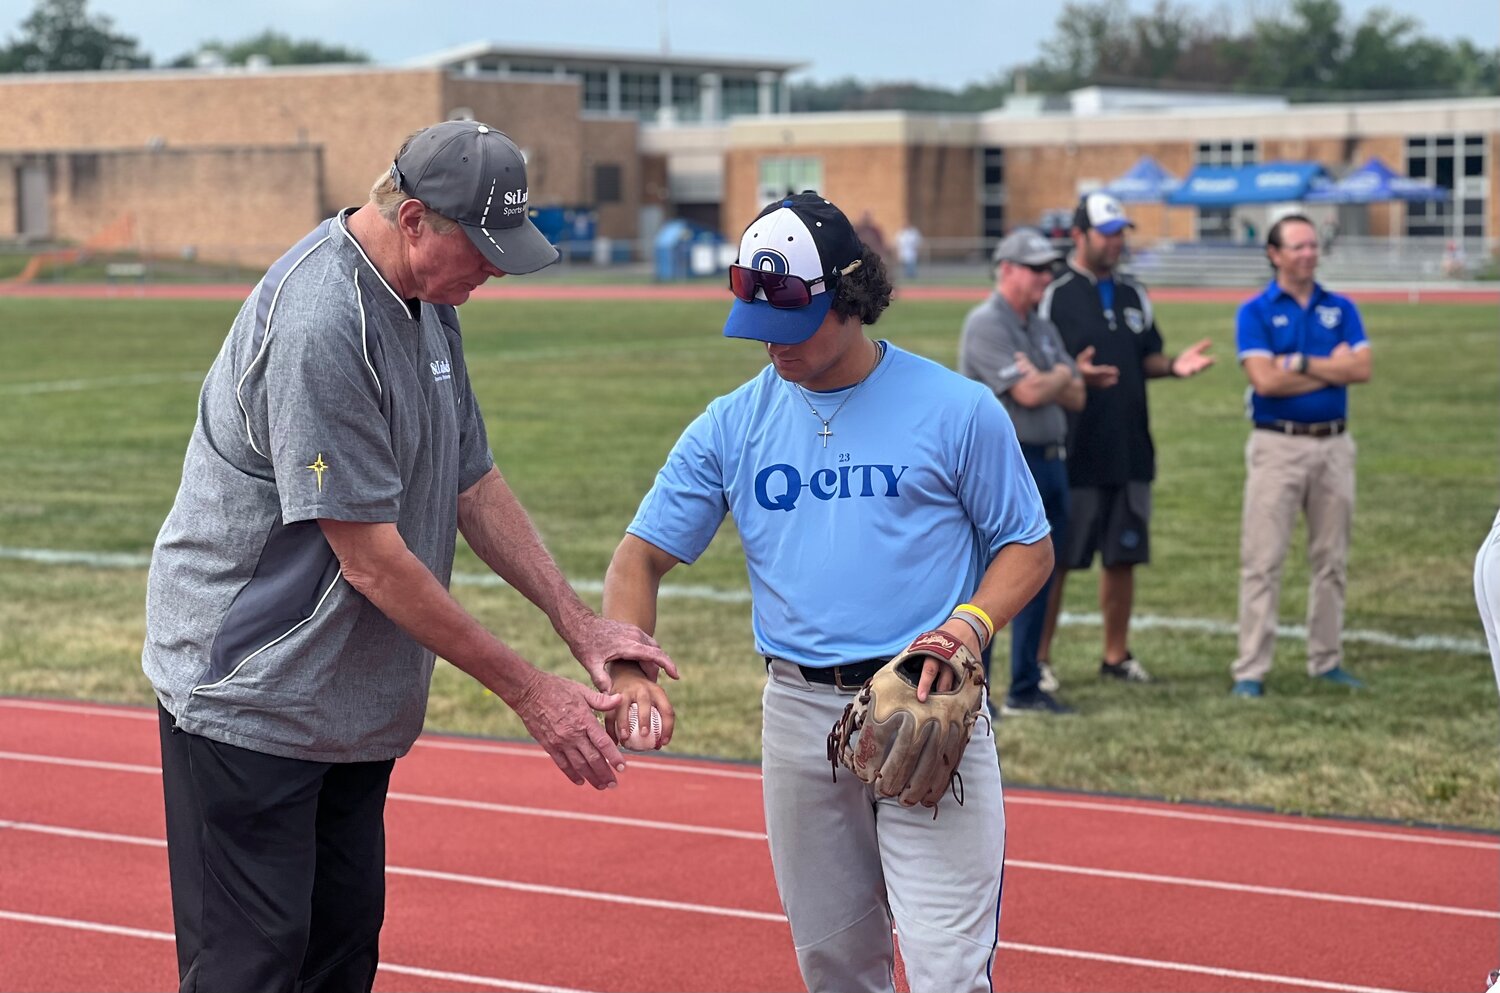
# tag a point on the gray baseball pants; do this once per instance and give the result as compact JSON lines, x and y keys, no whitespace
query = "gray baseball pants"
{"x":848,"y":864}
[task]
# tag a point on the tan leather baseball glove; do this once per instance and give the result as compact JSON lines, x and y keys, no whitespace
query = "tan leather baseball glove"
{"x":901,"y":746}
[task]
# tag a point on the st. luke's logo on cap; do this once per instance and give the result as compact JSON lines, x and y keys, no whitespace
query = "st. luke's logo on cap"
{"x":770,"y":260}
{"x":515,"y":201}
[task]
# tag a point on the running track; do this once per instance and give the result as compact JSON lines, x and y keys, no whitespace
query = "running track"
{"x":714,"y":291}
{"x":503,"y":875}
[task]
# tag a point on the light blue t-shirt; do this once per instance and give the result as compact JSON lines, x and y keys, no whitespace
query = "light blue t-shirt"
{"x":855,"y":548}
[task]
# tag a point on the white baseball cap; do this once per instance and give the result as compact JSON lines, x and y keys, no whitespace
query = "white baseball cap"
{"x":1101,"y":212}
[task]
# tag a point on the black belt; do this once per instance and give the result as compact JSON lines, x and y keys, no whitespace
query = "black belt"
{"x":846,"y":677}
{"x":1315,"y":429}
{"x":1047,"y":453}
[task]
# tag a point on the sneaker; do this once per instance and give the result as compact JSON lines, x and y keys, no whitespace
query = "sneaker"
{"x":1248,"y":687}
{"x":1040,"y":702}
{"x":1129,"y":670}
{"x":1049,"y":683}
{"x":1342,"y":677}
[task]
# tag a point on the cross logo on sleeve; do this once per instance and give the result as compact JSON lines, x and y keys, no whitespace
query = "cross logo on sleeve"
{"x":319,"y":466}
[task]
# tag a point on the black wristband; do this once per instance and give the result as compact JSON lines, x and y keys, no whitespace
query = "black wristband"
{"x":1302,"y":363}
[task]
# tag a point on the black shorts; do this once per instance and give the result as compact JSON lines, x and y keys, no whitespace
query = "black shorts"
{"x":1114,"y":521}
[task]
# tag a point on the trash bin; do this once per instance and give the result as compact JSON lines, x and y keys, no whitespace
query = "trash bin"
{"x":686,"y":250}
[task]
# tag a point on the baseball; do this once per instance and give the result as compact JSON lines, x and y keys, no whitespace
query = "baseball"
{"x":637,"y":738}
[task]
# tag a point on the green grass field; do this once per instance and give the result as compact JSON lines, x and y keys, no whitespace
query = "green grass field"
{"x":583,"y":400}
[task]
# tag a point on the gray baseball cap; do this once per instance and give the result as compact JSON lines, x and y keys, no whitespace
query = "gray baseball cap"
{"x":1027,"y":246}
{"x":475,"y":175}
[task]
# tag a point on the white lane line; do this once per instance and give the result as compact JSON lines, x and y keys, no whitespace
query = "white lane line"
{"x":1197,"y":625}
{"x":568,"y":815}
{"x":1134,"y":877}
{"x":1278,"y":891}
{"x":594,"y":895}
{"x":103,"y":382}
{"x":1009,"y":946}
{"x":1201,"y":970}
{"x":635,"y":764}
{"x":95,"y":927}
{"x":1011,"y":799}
{"x":1370,"y":834}
{"x":87,"y":710}
{"x":79,"y":763}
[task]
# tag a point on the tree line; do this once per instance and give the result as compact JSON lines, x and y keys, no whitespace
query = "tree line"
{"x":1308,"y":50}
{"x":63,"y":36}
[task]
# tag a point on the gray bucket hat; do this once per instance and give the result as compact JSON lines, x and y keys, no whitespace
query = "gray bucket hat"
{"x":475,"y":175}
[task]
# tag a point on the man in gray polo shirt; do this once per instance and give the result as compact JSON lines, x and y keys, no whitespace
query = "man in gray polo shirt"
{"x":1019,"y":354}
{"x":298,"y":588}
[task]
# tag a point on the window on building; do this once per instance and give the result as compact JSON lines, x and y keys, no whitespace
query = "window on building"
{"x":607,"y":184}
{"x":685,"y":95}
{"x":595,"y":89}
{"x":740,"y":96}
{"x":1460,"y":165}
{"x":1217,"y":223}
{"x":517,"y":67}
{"x":992,"y":193}
{"x":640,"y":92}
{"x":784,"y":175}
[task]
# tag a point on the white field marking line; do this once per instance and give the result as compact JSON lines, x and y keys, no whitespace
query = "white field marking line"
{"x":440,"y":801}
{"x":1254,"y":822}
{"x":513,"y":751}
{"x":536,"y":752}
{"x":1009,"y":946}
{"x":1134,"y":877}
{"x":104,"y":382}
{"x":75,"y":708}
{"x":1011,"y":799}
{"x":594,"y":895}
{"x":568,"y":815}
{"x":73,"y":924}
{"x":1197,"y":625}
{"x":467,"y":879}
{"x":1276,"y":891}
{"x":154,"y":770}
{"x":1202,"y":970}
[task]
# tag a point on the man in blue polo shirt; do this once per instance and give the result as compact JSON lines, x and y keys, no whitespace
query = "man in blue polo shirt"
{"x":1301,"y":346}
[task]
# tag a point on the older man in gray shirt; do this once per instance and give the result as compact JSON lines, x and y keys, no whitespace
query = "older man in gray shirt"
{"x":298,"y":589}
{"x":1017,"y":353}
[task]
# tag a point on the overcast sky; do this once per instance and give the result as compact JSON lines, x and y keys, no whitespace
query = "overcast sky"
{"x":942,"y":42}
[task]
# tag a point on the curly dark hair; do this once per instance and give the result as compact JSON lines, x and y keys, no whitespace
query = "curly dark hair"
{"x":865,"y":292}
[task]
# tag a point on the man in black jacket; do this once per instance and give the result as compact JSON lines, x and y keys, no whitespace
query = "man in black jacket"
{"x":1106,"y":321}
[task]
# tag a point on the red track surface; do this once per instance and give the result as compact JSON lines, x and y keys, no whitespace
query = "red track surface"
{"x":505,"y":876}
{"x":520,"y":290}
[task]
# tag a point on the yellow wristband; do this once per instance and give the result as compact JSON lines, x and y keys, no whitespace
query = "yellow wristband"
{"x":969,"y":608}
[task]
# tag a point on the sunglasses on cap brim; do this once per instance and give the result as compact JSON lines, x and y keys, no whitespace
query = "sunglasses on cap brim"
{"x":783,"y":290}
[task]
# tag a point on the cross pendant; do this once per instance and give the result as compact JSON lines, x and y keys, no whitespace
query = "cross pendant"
{"x":825,"y":434}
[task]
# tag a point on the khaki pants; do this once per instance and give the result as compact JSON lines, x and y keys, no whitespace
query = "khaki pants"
{"x":1285,"y":474}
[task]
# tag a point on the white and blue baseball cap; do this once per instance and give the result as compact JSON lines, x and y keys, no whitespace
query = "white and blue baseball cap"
{"x":802,"y":235}
{"x":1101,"y":212}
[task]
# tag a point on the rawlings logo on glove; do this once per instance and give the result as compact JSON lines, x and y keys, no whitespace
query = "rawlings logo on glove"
{"x":902,"y":746}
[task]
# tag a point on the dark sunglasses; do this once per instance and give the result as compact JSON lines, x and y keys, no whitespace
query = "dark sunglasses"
{"x":1043,"y":267}
{"x":783,"y":290}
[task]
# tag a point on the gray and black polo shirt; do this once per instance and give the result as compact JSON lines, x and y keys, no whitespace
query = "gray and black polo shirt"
{"x":993,"y":333}
{"x":329,"y":399}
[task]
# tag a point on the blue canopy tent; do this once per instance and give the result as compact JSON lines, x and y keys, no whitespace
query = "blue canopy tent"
{"x":1144,"y":182}
{"x":1229,"y":186}
{"x":1376,"y":182}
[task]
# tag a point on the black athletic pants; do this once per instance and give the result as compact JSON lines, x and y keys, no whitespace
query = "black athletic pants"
{"x":277,"y":867}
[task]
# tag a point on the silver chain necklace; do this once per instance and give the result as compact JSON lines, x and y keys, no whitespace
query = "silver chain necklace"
{"x":825,"y":434}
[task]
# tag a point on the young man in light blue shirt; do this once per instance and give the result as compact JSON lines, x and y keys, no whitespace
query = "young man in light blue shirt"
{"x":874,"y":491}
